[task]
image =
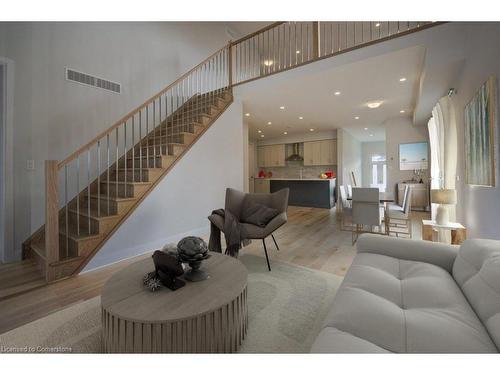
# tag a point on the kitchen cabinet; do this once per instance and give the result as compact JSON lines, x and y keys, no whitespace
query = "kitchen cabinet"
{"x":262,"y":185}
{"x":419,"y":195}
{"x":322,"y":152}
{"x":271,"y":156}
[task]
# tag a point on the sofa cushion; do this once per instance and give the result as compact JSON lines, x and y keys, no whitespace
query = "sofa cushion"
{"x":477,"y":271}
{"x":403,"y":306}
{"x":331,"y":340}
{"x":258,"y":214}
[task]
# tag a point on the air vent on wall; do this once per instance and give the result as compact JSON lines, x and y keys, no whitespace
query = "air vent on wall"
{"x":88,"y":80}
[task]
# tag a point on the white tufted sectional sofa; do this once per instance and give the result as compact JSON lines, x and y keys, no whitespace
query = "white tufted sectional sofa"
{"x":407,"y":296}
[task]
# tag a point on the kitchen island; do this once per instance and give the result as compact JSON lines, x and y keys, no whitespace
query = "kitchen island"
{"x":315,"y":192}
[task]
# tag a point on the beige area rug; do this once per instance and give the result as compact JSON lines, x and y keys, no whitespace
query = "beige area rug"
{"x":286,"y":306}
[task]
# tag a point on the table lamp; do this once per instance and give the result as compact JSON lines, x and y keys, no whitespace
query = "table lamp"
{"x":443,"y":197}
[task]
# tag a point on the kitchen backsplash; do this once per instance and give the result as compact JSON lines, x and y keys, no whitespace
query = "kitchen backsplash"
{"x":292,"y":170}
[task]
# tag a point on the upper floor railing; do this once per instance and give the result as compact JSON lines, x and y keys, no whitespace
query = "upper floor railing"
{"x":285,"y":45}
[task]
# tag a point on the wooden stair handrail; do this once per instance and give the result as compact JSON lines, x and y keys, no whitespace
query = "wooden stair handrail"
{"x":89,"y":144}
{"x":260,"y":31}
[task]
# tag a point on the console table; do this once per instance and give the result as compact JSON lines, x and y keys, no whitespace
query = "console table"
{"x":458,"y":231}
{"x":209,"y":316}
{"x":419,"y":194}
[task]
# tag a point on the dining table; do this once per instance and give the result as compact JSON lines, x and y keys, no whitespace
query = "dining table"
{"x":384,"y":197}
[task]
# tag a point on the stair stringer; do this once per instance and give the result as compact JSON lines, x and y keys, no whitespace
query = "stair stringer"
{"x":152,"y":187}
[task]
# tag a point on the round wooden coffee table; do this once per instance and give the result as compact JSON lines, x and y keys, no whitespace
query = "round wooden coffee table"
{"x":209,"y":316}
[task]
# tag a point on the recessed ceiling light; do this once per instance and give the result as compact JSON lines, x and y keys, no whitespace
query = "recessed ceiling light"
{"x":311,"y":130}
{"x":377,"y":25}
{"x":366,"y":128}
{"x":337,"y":93}
{"x":282,"y":107}
{"x":301,"y":118}
{"x":268,"y":62}
{"x":356,"y":118}
{"x":259,"y":131}
{"x":371,"y":135}
{"x":262,"y":135}
{"x":374,"y":104}
{"x":269,"y":123}
{"x":285,"y":133}
{"x":297,"y":52}
{"x":247,"y":114}
{"x":402,"y":111}
{"x":402,"y":79}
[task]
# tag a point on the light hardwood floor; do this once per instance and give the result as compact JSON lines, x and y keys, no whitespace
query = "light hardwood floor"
{"x":311,"y":238}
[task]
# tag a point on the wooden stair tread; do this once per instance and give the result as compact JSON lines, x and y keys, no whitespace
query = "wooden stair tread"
{"x":22,"y":277}
{"x":169,"y":135}
{"x":80,"y":237}
{"x":67,"y":260}
{"x":38,"y":247}
{"x":5,"y":267}
{"x":26,"y":268}
{"x":148,"y":157}
{"x":154,"y":169}
{"x":177,"y":144}
{"x":112,"y":198}
{"x":93,"y":213}
{"x":138,"y":183}
{"x":162,"y":126}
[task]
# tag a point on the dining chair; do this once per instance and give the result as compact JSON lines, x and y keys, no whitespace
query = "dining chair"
{"x":399,"y":216}
{"x":365,"y":211}
{"x":346,"y":209}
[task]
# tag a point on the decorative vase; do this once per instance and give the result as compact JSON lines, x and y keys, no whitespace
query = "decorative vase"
{"x":442,"y":215}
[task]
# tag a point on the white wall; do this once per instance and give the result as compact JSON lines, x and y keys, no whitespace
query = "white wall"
{"x":368,"y":149}
{"x":400,"y":130}
{"x":183,"y":200}
{"x":479,"y":207}
{"x":246,"y":166}
{"x":53,"y":117}
{"x":348,"y":157}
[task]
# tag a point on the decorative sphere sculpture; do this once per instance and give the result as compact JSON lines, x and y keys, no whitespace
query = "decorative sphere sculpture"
{"x":193,"y":250}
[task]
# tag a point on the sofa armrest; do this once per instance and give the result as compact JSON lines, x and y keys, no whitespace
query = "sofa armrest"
{"x":439,"y":254}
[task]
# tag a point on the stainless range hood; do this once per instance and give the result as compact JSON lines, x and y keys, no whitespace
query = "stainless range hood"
{"x":295,"y":156}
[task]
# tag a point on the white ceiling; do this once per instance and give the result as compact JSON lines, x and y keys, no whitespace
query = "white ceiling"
{"x":241,"y":29}
{"x":311,"y":95}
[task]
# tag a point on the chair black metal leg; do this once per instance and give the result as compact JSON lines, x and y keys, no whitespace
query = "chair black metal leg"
{"x":265,"y":251}
{"x":277,"y":247}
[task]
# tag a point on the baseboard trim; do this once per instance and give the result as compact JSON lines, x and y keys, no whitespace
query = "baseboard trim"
{"x":151,"y":246}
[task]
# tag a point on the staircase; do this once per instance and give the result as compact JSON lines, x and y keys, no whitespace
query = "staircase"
{"x":92,"y":192}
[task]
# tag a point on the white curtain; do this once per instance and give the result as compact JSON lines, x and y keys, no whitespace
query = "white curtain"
{"x":443,"y":143}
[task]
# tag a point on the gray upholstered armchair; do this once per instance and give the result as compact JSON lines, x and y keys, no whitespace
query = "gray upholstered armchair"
{"x":236,"y":201}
